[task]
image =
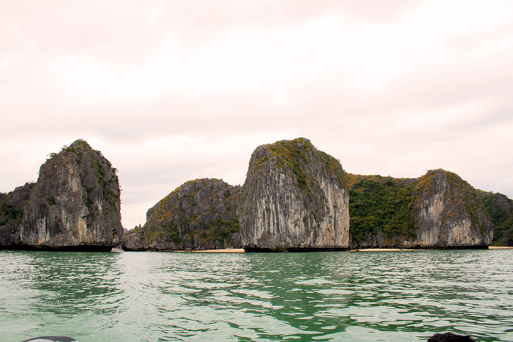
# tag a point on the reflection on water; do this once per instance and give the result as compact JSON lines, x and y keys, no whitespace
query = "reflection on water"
{"x":381,"y":296}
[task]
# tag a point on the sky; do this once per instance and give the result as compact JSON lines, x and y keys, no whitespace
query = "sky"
{"x":172,"y":91}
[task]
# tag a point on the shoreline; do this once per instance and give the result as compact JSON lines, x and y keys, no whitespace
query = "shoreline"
{"x":417,"y":249}
{"x":238,"y":250}
{"x":241,"y":250}
{"x":386,"y":250}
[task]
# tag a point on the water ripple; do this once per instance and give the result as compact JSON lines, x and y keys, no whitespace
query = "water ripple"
{"x":382,"y":296}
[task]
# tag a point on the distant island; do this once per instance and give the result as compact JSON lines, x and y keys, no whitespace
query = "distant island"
{"x":295,"y":198}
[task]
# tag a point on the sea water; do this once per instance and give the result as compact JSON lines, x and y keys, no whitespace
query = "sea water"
{"x":326,"y":296}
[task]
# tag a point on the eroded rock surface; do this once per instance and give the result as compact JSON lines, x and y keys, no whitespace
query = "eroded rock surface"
{"x":294,"y":198}
{"x":199,"y":214}
{"x":75,"y":203}
{"x":448,"y":213}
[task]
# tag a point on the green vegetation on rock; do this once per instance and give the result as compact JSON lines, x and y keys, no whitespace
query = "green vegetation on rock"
{"x":199,"y":214}
{"x":461,"y":196}
{"x":500,"y":209}
{"x":293,"y":155}
{"x":392,"y":212}
{"x":12,"y":210}
{"x":380,"y":204}
{"x":446,"y":204}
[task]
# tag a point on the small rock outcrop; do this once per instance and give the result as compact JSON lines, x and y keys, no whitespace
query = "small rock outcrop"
{"x":199,"y":214}
{"x":450,"y":337}
{"x":75,"y":204}
{"x":500,"y":210}
{"x":437,"y":210}
{"x":294,"y":198}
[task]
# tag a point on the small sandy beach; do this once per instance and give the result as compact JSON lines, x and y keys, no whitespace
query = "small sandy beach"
{"x":213,"y":251}
{"x":385,"y":250}
{"x":500,"y":247}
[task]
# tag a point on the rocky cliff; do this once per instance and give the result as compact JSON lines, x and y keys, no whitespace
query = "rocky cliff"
{"x":500,"y":210}
{"x":437,"y":210}
{"x":448,"y":212}
{"x":75,"y":204}
{"x":294,"y":198}
{"x":199,"y":214}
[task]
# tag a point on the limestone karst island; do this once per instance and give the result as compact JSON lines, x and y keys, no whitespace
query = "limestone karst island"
{"x":295,"y":198}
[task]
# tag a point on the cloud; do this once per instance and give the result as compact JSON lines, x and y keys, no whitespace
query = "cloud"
{"x":177,"y":90}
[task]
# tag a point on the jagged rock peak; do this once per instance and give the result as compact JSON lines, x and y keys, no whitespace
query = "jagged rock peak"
{"x":75,"y":203}
{"x":199,"y":214}
{"x":294,"y":197}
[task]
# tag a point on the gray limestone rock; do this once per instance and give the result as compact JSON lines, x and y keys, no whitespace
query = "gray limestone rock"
{"x":294,"y":198}
{"x":75,"y":203}
{"x":448,"y":213}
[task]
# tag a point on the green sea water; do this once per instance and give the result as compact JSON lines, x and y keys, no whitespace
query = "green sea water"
{"x":331,"y":296}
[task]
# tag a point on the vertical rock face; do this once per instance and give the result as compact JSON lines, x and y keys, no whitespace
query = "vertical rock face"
{"x":199,"y":214}
{"x":449,"y":213}
{"x":500,"y":209}
{"x":294,"y":198}
{"x":75,"y":203}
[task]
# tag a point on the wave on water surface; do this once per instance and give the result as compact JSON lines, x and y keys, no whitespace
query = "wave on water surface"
{"x":401,"y":296}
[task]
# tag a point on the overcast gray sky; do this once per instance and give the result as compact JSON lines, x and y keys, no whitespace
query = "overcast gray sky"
{"x":171,"y":91}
